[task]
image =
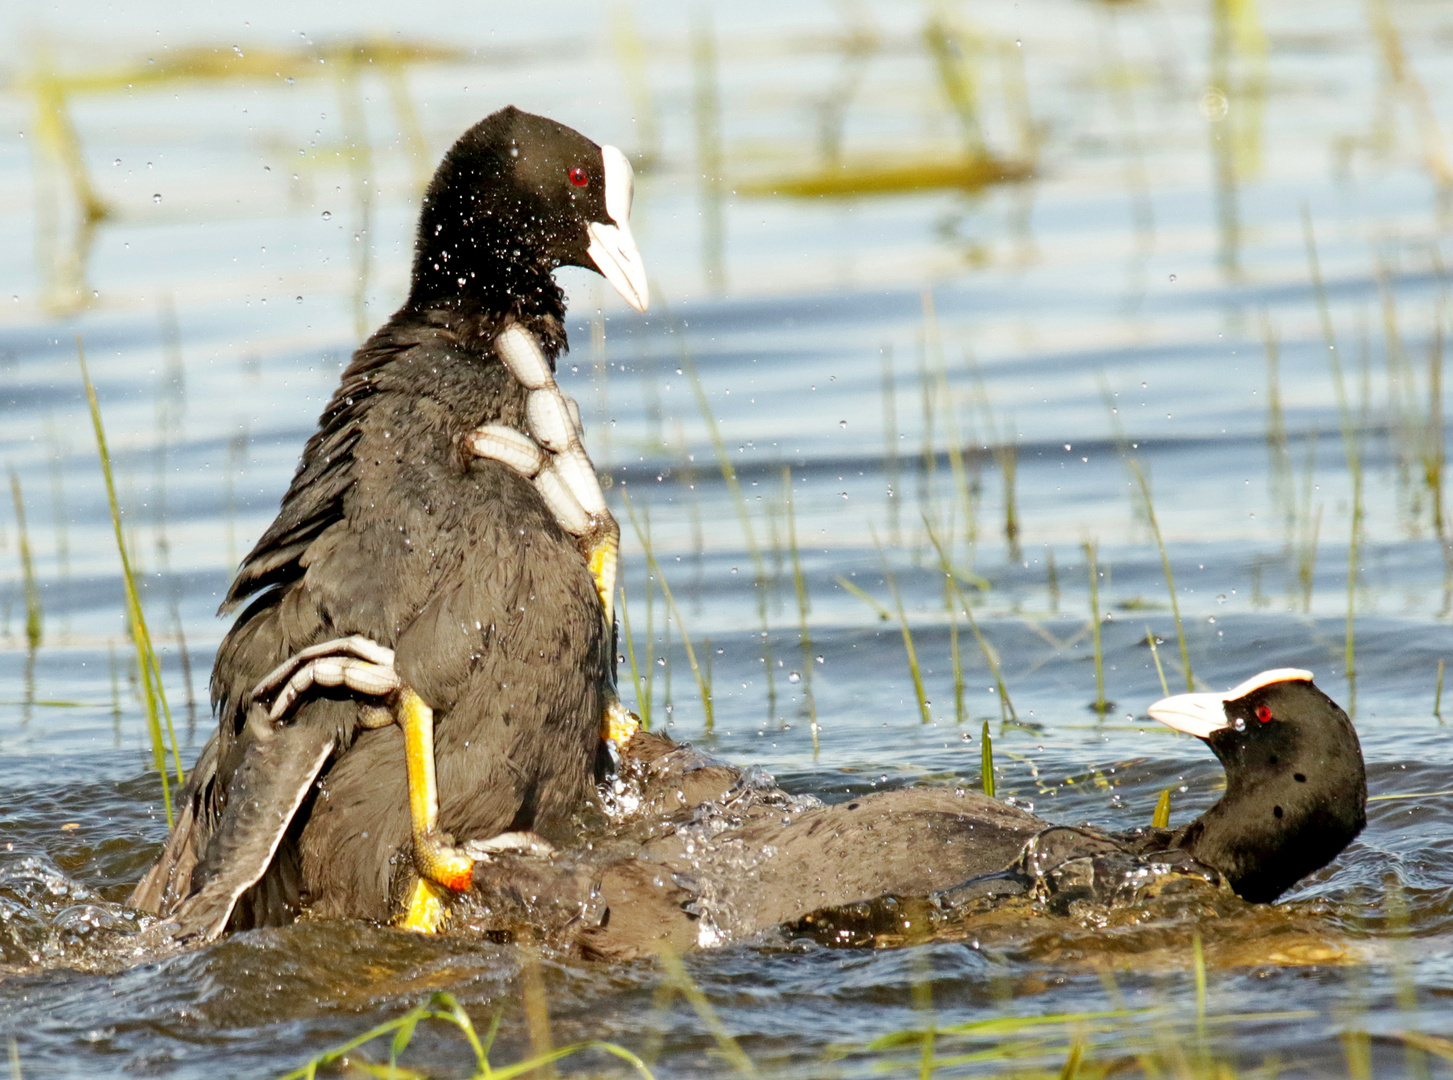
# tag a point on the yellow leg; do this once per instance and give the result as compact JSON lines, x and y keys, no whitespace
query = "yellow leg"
{"x":602,"y":556}
{"x":619,"y":723}
{"x":435,"y":860}
{"x":426,"y":909}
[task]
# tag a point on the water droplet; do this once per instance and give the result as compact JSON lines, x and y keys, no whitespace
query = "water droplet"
{"x":116,"y":162}
{"x":795,"y":677}
{"x":1172,"y":279}
{"x":842,"y":423}
{"x":327,"y":215}
{"x":300,"y":299}
{"x":156,"y":197}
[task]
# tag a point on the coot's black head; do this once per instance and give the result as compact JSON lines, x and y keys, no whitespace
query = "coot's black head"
{"x":1296,"y":790}
{"x":516,"y":197}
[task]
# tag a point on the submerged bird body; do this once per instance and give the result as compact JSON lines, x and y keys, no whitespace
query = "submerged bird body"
{"x":709,"y":854}
{"x":464,"y":581}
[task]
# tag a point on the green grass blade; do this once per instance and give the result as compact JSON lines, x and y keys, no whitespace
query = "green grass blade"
{"x":703,"y":684}
{"x":147,"y":669}
{"x":1161,"y":818}
{"x":986,"y":761}
{"x":1170,"y":581}
{"x":34,"y":619}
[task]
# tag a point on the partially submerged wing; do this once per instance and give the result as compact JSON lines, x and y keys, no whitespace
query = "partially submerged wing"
{"x":275,"y":776}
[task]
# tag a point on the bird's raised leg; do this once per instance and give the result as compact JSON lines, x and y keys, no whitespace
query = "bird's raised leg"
{"x":368,"y":668}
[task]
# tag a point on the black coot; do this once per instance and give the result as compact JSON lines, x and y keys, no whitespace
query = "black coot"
{"x":443,"y":548}
{"x":706,"y":854}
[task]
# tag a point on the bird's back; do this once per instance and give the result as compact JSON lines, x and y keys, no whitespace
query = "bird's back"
{"x":390,"y":531}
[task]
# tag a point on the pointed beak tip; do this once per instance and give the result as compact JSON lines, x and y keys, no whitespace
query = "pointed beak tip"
{"x":1200,"y":715}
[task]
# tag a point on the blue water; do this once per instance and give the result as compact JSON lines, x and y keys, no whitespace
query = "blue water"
{"x":1112,"y":308}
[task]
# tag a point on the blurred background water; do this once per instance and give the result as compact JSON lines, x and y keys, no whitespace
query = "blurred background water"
{"x":1050,"y":283}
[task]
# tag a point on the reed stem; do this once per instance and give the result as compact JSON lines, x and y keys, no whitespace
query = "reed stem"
{"x":34,"y":618}
{"x":1100,"y":705}
{"x":703,"y":686}
{"x":148,"y":667}
{"x":913,"y":669}
{"x":1170,"y":581}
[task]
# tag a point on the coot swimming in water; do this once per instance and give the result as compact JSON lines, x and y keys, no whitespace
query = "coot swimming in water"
{"x":704,"y":853}
{"x":443,"y":545}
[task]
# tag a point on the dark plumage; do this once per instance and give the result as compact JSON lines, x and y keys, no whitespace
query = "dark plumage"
{"x":711,"y":856}
{"x":393,"y":531}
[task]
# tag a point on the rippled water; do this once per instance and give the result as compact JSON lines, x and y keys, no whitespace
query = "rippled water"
{"x":895,"y":352}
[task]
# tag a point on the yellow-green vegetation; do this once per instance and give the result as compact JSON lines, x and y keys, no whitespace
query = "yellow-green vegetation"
{"x":445,"y":1008}
{"x":34,"y":619}
{"x":702,"y":675}
{"x":147,"y":665}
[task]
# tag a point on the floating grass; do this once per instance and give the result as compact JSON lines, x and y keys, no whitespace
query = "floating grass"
{"x":445,"y":1008}
{"x":1100,"y":705}
{"x":912,"y":653}
{"x":1170,"y":581}
{"x":148,"y":667}
{"x":703,"y":684}
{"x":34,"y":618}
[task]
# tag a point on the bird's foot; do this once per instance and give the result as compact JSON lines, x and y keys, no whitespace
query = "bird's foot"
{"x":510,"y":843}
{"x":361,"y":665}
{"x":619,"y":723}
{"x":441,"y":862}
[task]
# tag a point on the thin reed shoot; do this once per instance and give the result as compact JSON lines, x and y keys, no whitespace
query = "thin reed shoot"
{"x":34,"y":618}
{"x":1161,"y":818}
{"x":148,"y":668}
{"x":1351,"y":444}
{"x":913,"y":668}
{"x":445,"y":1008}
{"x":703,"y":682}
{"x":804,"y":605}
{"x":991,"y":658}
{"x":643,"y":700}
{"x":986,"y":761}
{"x":1100,"y":705}
{"x":1170,"y":581}
{"x":1155,"y":655}
{"x":680,"y":980}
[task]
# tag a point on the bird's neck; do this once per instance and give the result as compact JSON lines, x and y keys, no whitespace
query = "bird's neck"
{"x":1266,"y":837}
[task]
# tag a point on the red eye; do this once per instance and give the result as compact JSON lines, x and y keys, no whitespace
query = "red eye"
{"x":1263,"y":713}
{"x":579,"y":177}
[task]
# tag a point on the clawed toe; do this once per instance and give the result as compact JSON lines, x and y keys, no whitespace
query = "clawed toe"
{"x":362,"y":665}
{"x":510,"y":843}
